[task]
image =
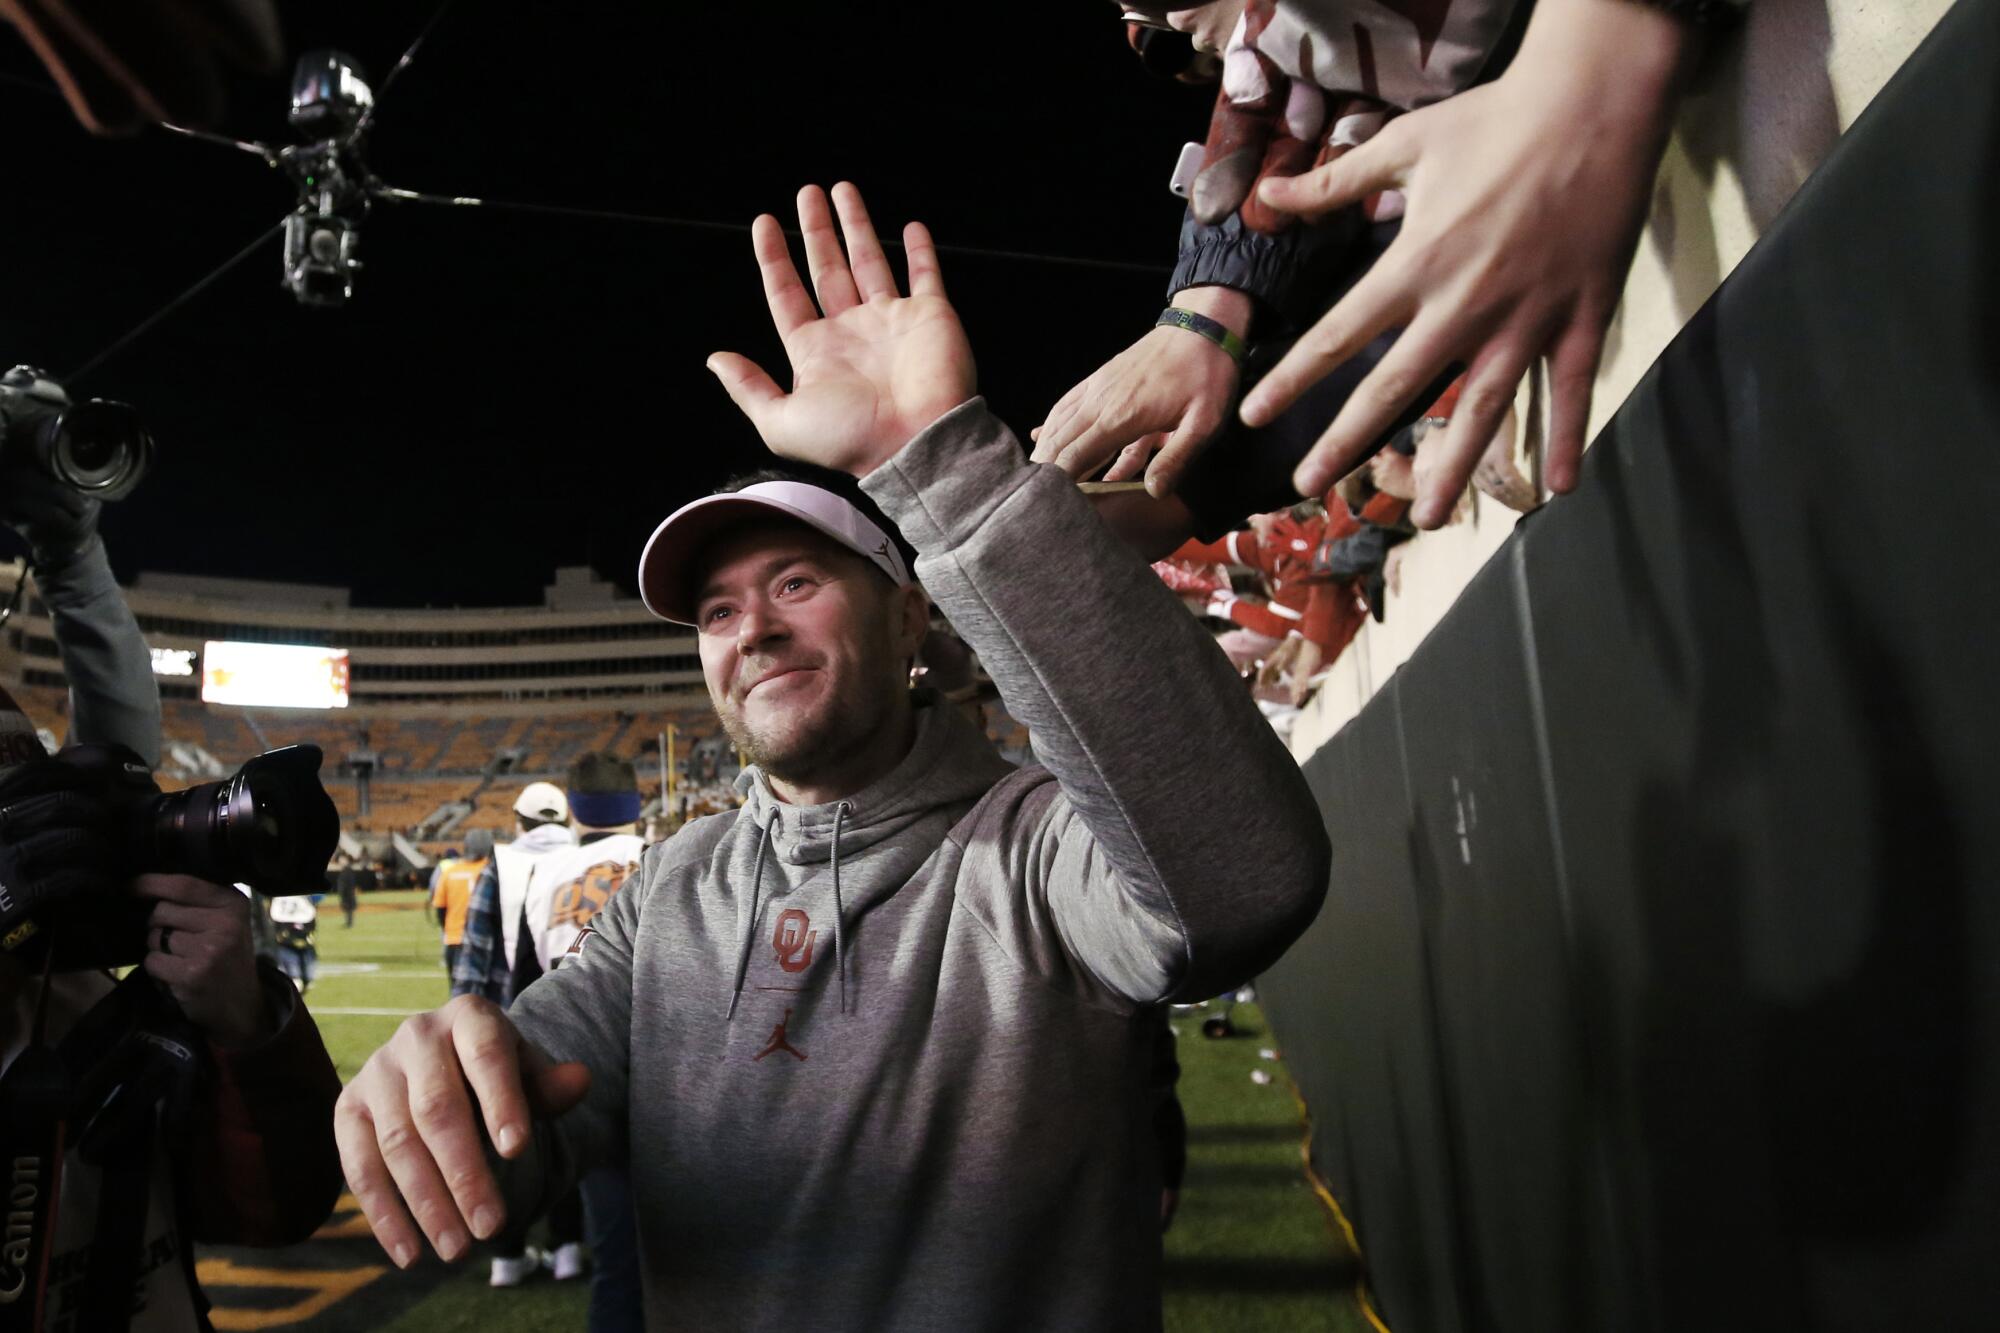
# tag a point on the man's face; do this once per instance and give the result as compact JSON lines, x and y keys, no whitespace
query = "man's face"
{"x":803,"y":645}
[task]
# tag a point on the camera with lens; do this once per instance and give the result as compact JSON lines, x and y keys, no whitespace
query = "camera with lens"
{"x":330,"y":102}
{"x":270,"y":826}
{"x":320,"y":258}
{"x":98,"y":447}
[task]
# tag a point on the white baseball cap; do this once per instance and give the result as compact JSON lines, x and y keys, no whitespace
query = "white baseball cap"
{"x":664,"y":565}
{"x":542,"y":800}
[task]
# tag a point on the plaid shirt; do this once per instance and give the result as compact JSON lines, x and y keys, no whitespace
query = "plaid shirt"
{"x":483,"y":968}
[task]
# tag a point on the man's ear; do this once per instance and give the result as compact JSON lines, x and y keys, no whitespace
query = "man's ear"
{"x":912,"y":610}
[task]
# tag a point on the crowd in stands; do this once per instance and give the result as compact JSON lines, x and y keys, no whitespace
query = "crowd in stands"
{"x":1287,"y":593}
{"x":1390,"y":225}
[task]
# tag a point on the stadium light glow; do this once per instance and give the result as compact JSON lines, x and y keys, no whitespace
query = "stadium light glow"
{"x":273,"y":675}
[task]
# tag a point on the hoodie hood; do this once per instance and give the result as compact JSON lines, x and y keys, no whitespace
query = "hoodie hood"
{"x":951,"y":763}
{"x":542,"y":838}
{"x":949,"y":767}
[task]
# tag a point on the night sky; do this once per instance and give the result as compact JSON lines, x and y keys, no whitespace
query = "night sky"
{"x":506,"y":393}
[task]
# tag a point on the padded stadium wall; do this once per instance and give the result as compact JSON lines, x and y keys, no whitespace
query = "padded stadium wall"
{"x":1655,"y":989}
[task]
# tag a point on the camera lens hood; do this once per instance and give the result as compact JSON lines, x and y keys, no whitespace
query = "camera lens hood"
{"x":99,"y":447}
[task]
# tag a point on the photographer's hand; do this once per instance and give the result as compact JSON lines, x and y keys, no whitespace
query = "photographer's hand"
{"x":876,"y":368}
{"x":199,"y":947}
{"x":409,"y":1134}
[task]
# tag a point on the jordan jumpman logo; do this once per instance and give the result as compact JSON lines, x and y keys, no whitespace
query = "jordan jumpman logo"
{"x":778,"y":1042}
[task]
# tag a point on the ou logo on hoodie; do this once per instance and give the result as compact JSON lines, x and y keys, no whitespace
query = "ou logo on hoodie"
{"x":793,"y":940}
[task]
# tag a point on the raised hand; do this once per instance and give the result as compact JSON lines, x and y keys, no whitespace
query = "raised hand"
{"x":870,"y":366}
{"x":408,"y":1125}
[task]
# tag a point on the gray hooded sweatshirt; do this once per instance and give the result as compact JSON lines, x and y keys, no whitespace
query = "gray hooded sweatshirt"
{"x":883,"y":1063}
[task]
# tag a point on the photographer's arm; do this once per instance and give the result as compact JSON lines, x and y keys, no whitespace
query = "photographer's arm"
{"x":264,"y":1154}
{"x":1150,"y":900}
{"x":263,"y":1166}
{"x":113,"y":700}
{"x":112,"y":697}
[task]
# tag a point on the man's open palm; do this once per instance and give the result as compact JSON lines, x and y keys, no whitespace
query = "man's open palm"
{"x":874,"y":369}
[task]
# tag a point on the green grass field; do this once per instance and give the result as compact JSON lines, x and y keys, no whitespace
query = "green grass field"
{"x":1252,"y":1248}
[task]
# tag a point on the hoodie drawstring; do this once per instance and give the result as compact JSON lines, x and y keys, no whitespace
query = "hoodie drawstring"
{"x":750,"y":927}
{"x":840,"y":812}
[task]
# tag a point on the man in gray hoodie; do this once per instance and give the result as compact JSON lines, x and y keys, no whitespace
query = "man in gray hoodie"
{"x":875,"y":1048}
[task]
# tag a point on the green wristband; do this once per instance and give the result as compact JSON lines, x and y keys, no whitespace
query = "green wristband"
{"x":1212,"y":329}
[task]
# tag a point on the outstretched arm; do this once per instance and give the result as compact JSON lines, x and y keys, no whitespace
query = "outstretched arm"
{"x":1147,"y":900}
{"x":113,"y":700}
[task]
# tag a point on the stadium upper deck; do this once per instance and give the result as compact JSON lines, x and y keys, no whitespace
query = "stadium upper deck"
{"x":450,"y":709}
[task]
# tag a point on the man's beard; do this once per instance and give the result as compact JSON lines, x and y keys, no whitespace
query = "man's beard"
{"x":794,"y":748}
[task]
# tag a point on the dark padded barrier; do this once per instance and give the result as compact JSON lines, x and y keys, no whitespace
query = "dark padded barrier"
{"x":1658,"y":987}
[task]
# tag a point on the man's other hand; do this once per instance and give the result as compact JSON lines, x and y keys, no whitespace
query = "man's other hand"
{"x":409,"y":1130}
{"x":870,"y":366}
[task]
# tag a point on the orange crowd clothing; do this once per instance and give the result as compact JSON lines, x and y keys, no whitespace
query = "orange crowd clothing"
{"x":454,"y":893}
{"x":1328,"y":614}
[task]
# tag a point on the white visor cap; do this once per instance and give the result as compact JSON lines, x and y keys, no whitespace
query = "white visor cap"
{"x":665,"y":566}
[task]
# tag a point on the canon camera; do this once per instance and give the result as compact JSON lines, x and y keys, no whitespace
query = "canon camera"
{"x":270,"y":826}
{"x":98,"y":447}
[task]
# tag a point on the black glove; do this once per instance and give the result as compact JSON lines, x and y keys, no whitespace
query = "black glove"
{"x":56,"y":846}
{"x":58,"y":522}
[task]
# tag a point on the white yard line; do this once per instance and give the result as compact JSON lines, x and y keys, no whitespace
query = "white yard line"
{"x":321,"y":1011}
{"x":433,"y":974}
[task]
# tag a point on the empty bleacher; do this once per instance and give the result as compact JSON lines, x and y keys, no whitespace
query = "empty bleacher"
{"x":400,"y":745}
{"x":493,"y":809}
{"x":221,"y":732}
{"x":47,"y":708}
{"x":395,"y":805}
{"x":475,"y":743}
{"x":558,"y":741}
